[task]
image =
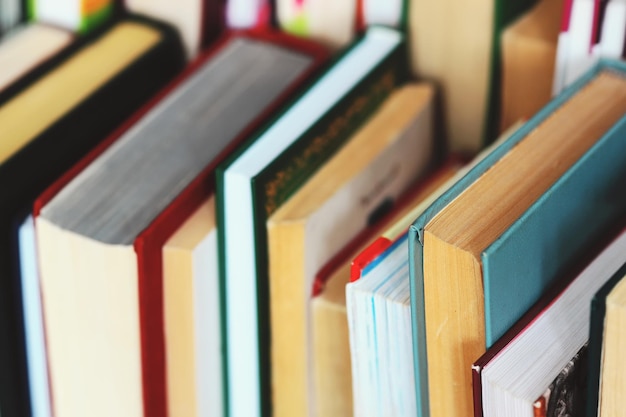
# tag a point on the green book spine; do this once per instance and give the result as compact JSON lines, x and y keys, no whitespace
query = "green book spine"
{"x":294,"y":167}
{"x":287,"y":173}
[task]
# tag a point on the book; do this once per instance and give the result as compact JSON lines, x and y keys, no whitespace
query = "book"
{"x":78,"y":16}
{"x":540,"y":346}
{"x":27,"y":47}
{"x":379,"y":247}
{"x":114,"y":211}
{"x":377,"y":387}
{"x":332,"y":370}
{"x":566,"y":393}
{"x":254,"y":181}
{"x":94,"y":85}
{"x":199,"y":22}
{"x":377,"y":306}
{"x":528,"y":49}
{"x":330,"y":22}
{"x":512,"y":231}
{"x":439,"y":35}
{"x":605,"y":386}
{"x":376,"y":165}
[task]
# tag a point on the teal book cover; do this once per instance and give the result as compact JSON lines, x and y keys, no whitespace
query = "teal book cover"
{"x":520,"y":264}
{"x":274,"y":184}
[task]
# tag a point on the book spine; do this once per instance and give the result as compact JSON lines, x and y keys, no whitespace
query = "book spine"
{"x":280,"y":179}
{"x":285,"y":175}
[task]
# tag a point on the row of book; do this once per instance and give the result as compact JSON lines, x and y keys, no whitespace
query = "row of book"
{"x":486,"y":286}
{"x":177,"y":238}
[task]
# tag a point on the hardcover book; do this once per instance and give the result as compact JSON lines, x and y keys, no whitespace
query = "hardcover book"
{"x":380,"y":288}
{"x":379,"y":162}
{"x":114,"y":211}
{"x":522,"y":227}
{"x":50,"y":121}
{"x":256,"y":180}
{"x":537,"y":366}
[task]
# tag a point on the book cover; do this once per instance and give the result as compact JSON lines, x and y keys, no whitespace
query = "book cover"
{"x":297,"y":59}
{"x":259,"y":177}
{"x":537,"y":358}
{"x":583,"y":259}
{"x":537,"y":232}
{"x":51,"y":138}
{"x":381,"y":159}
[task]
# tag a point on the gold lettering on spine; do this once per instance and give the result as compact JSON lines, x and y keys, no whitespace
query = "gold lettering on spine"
{"x":321,"y":143}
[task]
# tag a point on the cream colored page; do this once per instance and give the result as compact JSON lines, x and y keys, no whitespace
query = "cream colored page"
{"x":91,"y":309}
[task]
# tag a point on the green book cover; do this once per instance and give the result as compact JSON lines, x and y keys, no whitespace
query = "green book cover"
{"x":276,"y":181}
